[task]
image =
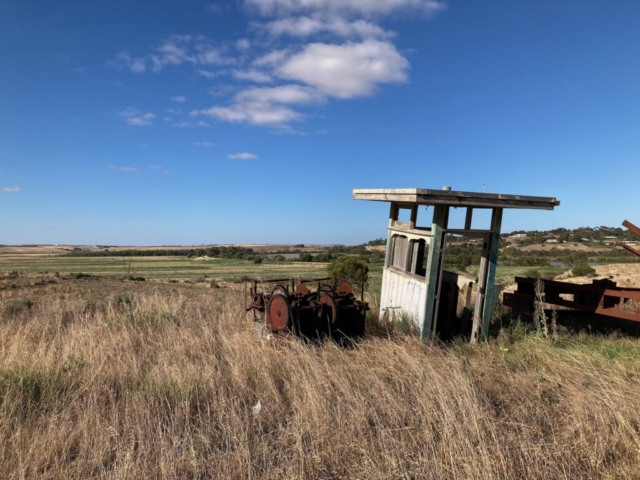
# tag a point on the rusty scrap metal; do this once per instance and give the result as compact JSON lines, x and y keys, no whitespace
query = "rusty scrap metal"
{"x":292,"y":307}
{"x":603,"y":297}
{"x":635,"y":230}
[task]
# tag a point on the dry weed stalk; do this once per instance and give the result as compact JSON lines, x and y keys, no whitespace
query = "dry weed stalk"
{"x":164,"y":386}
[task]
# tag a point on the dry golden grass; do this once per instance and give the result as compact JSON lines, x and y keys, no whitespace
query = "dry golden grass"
{"x":163,"y":385}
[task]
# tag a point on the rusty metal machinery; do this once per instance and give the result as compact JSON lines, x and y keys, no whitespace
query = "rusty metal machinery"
{"x":290,"y":306}
{"x":603,"y":297}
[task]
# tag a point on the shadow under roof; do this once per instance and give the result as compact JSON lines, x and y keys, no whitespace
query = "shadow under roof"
{"x":423,"y":196}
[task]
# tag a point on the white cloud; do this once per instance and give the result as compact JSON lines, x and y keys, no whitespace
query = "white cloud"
{"x":202,"y":144}
{"x":173,"y":111}
{"x":129,"y":112}
{"x":344,"y":7}
{"x":252,"y":76}
{"x":124,"y":60}
{"x":243,"y":156}
{"x":184,"y":124}
{"x":159,"y":168}
{"x":265,"y":106}
{"x":272,"y":58}
{"x":122,"y":169}
{"x":307,"y":26}
{"x":256,"y":114}
{"x":289,"y":94}
{"x":243,"y":44}
{"x":177,"y":50}
{"x":209,"y":74}
{"x":179,"y":99}
{"x":11,"y":189}
{"x":348,"y":70}
{"x":141,"y":121}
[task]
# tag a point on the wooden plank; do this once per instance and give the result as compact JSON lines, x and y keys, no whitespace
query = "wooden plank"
{"x":433,"y":269}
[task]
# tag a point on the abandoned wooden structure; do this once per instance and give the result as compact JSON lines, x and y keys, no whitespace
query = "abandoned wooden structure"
{"x":415,"y":290}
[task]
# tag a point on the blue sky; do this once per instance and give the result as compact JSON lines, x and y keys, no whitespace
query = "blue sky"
{"x":250,"y":121}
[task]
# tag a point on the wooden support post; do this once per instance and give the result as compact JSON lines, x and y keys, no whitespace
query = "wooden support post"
{"x":433,"y":277}
{"x":467,"y":220}
{"x":494,"y":244}
{"x":486,"y":280}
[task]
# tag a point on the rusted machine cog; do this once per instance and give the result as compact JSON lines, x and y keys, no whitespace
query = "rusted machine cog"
{"x":302,"y":289}
{"x":329,"y":302}
{"x":279,"y":313}
{"x":345,"y":288}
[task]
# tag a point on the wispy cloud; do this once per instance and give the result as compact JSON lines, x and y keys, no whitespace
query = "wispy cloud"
{"x":133,"y":116}
{"x":202,"y":144}
{"x":122,"y":169}
{"x":243,"y":156}
{"x":11,"y":189}
{"x":334,"y":50}
{"x":142,"y":120}
{"x":252,"y":76}
{"x":160,"y":169}
{"x":185,"y":124}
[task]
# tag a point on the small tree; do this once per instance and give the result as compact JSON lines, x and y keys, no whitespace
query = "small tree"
{"x":305,"y":257}
{"x":349,"y":268}
{"x":583,"y":270}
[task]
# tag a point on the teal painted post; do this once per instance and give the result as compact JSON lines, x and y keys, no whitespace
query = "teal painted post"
{"x":487,"y":311}
{"x":433,"y":269}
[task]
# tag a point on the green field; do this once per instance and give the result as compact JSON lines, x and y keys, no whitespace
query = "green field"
{"x":220,"y":269}
{"x":157,"y":267}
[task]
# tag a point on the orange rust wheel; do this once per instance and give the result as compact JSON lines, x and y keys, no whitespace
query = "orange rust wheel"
{"x":345,"y":288}
{"x":330,"y":306}
{"x":279,"y":312}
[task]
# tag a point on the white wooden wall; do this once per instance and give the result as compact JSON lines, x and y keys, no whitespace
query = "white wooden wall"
{"x":403,"y":294}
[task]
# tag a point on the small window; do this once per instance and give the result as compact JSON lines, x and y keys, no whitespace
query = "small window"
{"x":399,"y":247}
{"x":417,"y":264}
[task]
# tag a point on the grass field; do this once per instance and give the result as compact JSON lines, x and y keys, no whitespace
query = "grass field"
{"x":103,"y":377}
{"x":107,"y":378}
{"x":156,"y":267}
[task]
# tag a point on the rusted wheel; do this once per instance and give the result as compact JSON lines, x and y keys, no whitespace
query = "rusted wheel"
{"x":330,"y":306}
{"x":345,"y":288}
{"x":279,"y":313}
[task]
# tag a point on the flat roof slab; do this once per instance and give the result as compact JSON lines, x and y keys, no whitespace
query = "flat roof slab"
{"x":423,"y":196}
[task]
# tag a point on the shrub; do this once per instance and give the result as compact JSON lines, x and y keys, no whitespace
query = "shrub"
{"x":350,"y":268}
{"x":583,"y":270}
{"x":532,"y":273}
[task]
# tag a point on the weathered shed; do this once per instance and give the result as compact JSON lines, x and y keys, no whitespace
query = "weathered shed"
{"x":415,"y":290}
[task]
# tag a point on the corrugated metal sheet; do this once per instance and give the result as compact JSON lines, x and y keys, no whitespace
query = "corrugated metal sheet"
{"x":403,"y":294}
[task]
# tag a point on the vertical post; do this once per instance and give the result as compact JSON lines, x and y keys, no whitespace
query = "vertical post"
{"x":486,"y":280}
{"x":468,"y":218}
{"x":496,"y":225}
{"x":480,"y":296}
{"x":433,"y":277}
{"x":393,"y":215}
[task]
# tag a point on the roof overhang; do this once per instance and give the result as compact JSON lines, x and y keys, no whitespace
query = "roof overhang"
{"x":422,"y":196}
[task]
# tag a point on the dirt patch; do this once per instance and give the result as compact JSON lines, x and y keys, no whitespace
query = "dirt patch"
{"x":624,"y":274}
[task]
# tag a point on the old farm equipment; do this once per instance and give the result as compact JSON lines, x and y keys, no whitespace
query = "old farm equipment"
{"x":603,"y":297}
{"x":290,"y":306}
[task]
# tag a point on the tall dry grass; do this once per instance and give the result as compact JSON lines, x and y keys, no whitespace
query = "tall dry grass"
{"x":164,"y":386}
